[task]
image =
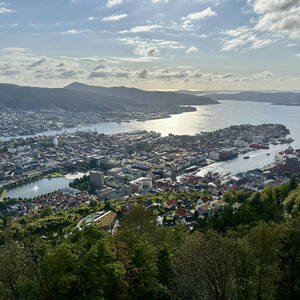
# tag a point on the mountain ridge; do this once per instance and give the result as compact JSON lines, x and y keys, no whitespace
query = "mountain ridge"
{"x":274,"y":97}
{"x":78,"y":97}
{"x":144,"y":96}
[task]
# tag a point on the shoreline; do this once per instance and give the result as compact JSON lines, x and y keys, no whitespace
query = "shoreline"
{"x":189,"y":108}
{"x":229,"y":155}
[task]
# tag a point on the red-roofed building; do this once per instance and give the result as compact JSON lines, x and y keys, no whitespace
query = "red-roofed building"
{"x":170,"y":203}
{"x":126,"y":208}
{"x":181,"y":212}
{"x":205,"y":199}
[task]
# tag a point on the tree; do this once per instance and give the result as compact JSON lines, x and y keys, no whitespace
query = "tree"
{"x":264,"y":239}
{"x":47,"y":211}
{"x":141,"y":262}
{"x":292,"y":201}
{"x":209,"y":266}
{"x":293,"y":183}
{"x":140,"y":220}
{"x":272,"y":210}
{"x":83,"y":267}
{"x":19,"y":275}
{"x":289,"y":287}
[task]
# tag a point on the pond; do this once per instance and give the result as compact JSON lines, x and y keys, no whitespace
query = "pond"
{"x":43,"y":186}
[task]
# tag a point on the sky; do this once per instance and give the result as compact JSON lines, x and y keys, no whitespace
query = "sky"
{"x":152,"y":44}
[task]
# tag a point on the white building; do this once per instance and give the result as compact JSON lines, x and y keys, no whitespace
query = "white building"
{"x":240,"y":144}
{"x":55,"y":141}
{"x":142,"y":183}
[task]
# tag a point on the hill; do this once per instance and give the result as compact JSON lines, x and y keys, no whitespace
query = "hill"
{"x":142,"y":96}
{"x":276,"y":98}
{"x":252,"y":252}
{"x":34,"y":98}
{"x":78,"y":97}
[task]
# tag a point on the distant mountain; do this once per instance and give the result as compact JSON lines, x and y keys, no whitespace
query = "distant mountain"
{"x":79,"y":97}
{"x":277,"y":98}
{"x":33,"y":98}
{"x":141,"y":96}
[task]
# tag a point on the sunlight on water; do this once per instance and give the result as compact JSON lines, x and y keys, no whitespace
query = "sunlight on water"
{"x":35,"y":188}
{"x":213,"y":117}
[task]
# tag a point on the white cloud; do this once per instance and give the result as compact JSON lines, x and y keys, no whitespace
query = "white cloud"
{"x":259,"y":43}
{"x":4,"y":10}
{"x":76,"y":31}
{"x":143,"y":50}
{"x":208,"y":12}
{"x":192,"y":49}
{"x":36,"y":63}
{"x":150,"y":47}
{"x":103,"y":72}
{"x":146,"y":28}
{"x":15,"y":49}
{"x":244,"y":38}
{"x":136,"y":59}
{"x":152,"y":42}
{"x":111,"y":3}
{"x":234,"y":44}
{"x":158,"y":1}
{"x":237,"y":32}
{"x":298,"y":55}
{"x":278,"y":16}
{"x":214,"y":2}
{"x":168,"y":44}
{"x":9,"y":25}
{"x":115,"y":17}
{"x":187,"y":21}
{"x":265,"y":6}
{"x":31,"y":69}
{"x":142,"y":74}
{"x":92,"y":19}
{"x":183,"y":25}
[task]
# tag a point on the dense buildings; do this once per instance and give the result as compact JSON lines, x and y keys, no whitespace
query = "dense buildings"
{"x":140,"y":162}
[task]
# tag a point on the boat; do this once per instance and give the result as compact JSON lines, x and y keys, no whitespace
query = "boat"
{"x":289,"y":150}
{"x":246,"y":157}
{"x":257,"y":146}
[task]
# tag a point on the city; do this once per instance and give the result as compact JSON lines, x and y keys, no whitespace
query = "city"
{"x":128,"y":165}
{"x":150,"y":150}
{"x":25,"y":122}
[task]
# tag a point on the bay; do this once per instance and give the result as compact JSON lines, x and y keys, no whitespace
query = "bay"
{"x":205,"y":118}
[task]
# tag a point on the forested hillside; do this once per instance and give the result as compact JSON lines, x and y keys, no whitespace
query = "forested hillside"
{"x":79,"y":97}
{"x":142,"y":96}
{"x":250,"y":251}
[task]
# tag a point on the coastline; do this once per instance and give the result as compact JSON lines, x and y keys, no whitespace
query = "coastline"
{"x":151,"y":117}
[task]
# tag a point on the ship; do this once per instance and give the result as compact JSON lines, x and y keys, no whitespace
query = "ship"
{"x":289,"y":150}
{"x":257,"y":146}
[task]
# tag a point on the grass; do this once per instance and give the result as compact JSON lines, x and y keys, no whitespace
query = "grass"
{"x":106,"y":220}
{"x":3,"y":195}
{"x":54,"y":175}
